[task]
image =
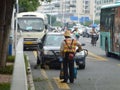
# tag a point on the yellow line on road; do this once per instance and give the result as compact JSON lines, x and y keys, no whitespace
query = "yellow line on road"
{"x":118,"y":64}
{"x":35,"y":54}
{"x":60,"y":85}
{"x":97,"y":57}
{"x":48,"y":81}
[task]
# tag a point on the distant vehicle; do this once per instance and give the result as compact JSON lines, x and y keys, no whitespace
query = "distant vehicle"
{"x":48,"y":51}
{"x":86,"y":32}
{"x":31,"y":26}
{"x":110,"y":29}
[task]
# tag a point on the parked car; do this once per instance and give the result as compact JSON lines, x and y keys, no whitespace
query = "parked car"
{"x":48,"y":51}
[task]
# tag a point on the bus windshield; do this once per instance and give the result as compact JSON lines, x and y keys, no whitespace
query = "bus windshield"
{"x":30,"y":24}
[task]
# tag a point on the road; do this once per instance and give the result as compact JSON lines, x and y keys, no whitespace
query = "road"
{"x":101,"y":72}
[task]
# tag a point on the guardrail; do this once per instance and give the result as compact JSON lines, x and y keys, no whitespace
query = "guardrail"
{"x":19,"y":78}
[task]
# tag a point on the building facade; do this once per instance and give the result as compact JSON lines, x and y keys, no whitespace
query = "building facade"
{"x":74,"y":10}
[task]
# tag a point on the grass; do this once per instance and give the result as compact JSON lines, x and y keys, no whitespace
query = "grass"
{"x":4,"y":86}
{"x":8,"y":70}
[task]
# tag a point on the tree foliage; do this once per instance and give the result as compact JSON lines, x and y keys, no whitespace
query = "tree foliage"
{"x":28,"y":5}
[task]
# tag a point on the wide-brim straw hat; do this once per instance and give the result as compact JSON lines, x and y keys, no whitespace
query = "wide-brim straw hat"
{"x":67,"y":33}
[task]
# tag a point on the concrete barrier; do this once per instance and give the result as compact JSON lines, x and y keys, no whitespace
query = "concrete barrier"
{"x":19,"y":78}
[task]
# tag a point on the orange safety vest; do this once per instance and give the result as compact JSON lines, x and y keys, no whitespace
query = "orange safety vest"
{"x":73,"y":46}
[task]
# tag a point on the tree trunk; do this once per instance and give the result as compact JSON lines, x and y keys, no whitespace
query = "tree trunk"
{"x":2,"y":23}
{"x":7,"y":8}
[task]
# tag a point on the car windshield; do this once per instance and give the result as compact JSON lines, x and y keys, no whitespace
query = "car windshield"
{"x":30,"y":24}
{"x":54,"y":40}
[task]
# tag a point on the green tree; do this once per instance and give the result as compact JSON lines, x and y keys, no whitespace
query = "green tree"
{"x":28,"y":5}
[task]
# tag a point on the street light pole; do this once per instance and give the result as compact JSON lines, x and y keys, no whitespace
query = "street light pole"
{"x":17,"y":11}
{"x":93,"y":11}
{"x":63,"y":10}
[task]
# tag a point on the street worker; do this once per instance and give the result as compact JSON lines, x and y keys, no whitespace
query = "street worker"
{"x":67,"y":50}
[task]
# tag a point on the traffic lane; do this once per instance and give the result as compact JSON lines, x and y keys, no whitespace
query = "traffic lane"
{"x":99,"y":75}
{"x":95,"y":77}
{"x":88,"y":79}
{"x":40,"y":79}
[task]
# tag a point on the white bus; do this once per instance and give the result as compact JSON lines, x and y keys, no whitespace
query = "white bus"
{"x":31,"y":26}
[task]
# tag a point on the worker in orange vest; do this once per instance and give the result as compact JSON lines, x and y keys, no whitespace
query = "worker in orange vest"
{"x":67,"y":50}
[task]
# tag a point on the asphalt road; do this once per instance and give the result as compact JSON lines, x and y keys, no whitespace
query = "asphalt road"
{"x":101,"y":72}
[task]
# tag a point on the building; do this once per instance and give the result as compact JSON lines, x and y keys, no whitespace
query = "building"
{"x":75,"y":10}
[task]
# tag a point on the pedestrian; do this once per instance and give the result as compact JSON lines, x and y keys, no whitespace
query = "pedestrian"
{"x":76,"y":33}
{"x":67,"y":50}
{"x":94,"y":36}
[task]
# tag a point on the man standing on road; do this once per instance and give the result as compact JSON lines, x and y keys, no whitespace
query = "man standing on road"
{"x":68,"y":49}
{"x":94,"y":36}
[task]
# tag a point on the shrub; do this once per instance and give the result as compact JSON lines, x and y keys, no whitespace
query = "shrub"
{"x":10,"y":58}
{"x":6,"y":70}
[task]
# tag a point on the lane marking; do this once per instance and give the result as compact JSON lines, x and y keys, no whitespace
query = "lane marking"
{"x":60,"y":85}
{"x":118,"y":64}
{"x":48,"y":81}
{"x":44,"y":74}
{"x":35,"y":54}
{"x":97,"y":57}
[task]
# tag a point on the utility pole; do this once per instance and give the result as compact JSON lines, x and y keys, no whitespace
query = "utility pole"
{"x":93,"y":11}
{"x":17,"y":11}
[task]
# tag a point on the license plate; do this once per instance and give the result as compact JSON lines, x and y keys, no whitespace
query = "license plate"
{"x":28,"y":42}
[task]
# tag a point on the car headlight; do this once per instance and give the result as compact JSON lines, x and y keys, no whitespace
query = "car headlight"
{"x":47,"y":52}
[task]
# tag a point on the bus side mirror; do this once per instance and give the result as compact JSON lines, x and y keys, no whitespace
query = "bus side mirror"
{"x":46,"y":27}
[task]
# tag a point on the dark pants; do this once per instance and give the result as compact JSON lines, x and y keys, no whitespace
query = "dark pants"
{"x":68,"y":67}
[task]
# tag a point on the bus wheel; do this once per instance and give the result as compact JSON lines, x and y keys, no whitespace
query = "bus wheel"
{"x":107,"y":50}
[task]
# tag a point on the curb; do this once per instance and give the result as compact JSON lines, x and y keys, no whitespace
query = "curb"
{"x":30,"y":78}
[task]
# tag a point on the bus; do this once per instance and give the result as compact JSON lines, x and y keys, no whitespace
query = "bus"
{"x":110,"y":29}
{"x":31,"y":26}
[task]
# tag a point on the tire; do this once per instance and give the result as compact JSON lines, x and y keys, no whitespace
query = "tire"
{"x":108,"y":54}
{"x":82,"y":66}
{"x":24,"y":48}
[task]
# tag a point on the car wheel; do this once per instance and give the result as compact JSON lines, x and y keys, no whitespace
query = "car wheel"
{"x":82,"y":66}
{"x":24,"y":49}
